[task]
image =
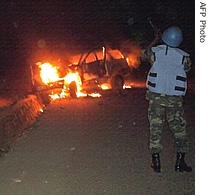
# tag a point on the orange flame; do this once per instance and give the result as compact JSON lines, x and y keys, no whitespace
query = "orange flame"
{"x":94,"y":94}
{"x":48,"y":72}
{"x":105,"y":86}
{"x":73,"y":77}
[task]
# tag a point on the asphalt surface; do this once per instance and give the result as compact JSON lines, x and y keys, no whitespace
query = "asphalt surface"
{"x":96,"y":146}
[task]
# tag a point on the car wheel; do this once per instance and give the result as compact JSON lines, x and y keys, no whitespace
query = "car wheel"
{"x":73,"y":90}
{"x":117,"y":82}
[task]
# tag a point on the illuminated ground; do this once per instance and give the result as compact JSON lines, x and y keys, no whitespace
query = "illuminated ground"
{"x":95,"y":146}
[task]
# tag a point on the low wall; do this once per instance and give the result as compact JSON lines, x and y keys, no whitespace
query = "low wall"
{"x":17,"y":118}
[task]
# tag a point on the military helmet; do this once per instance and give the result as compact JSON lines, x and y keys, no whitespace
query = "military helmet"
{"x":172,"y":36}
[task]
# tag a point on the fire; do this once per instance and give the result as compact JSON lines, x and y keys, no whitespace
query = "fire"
{"x":127,"y":59}
{"x":73,"y":77}
{"x":126,"y":86}
{"x":58,"y":96}
{"x":94,"y":94}
{"x":48,"y":72}
{"x":105,"y":86}
{"x":81,"y":94}
{"x":54,"y":96}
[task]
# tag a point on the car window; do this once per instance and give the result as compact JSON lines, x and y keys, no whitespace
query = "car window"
{"x":91,"y":58}
{"x":100,"y":55}
{"x":116,"y":54}
{"x":91,"y":64}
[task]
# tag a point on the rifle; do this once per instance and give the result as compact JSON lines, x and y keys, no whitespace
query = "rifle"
{"x":157,"y":33}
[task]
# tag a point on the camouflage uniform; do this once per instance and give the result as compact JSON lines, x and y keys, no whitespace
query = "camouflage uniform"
{"x":163,"y":106}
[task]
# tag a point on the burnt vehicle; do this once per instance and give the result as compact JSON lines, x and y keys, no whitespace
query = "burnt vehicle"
{"x":45,"y":75}
{"x":97,"y":69}
{"x":102,"y":68}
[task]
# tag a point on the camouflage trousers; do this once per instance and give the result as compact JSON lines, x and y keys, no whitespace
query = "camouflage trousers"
{"x":161,"y":108}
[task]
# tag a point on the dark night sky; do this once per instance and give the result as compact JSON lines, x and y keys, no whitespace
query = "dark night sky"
{"x":68,"y":26}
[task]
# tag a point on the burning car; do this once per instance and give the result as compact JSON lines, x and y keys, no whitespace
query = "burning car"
{"x":97,"y":69}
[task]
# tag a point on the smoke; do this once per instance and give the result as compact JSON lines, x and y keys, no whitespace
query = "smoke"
{"x":132,"y":51}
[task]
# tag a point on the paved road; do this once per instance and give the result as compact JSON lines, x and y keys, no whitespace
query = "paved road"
{"x":95,"y":146}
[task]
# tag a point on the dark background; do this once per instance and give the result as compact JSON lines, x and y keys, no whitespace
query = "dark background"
{"x":34,"y":30}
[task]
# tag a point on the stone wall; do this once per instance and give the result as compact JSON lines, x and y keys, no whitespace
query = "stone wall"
{"x":17,"y":118}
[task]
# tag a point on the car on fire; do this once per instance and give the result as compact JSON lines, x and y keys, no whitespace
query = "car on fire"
{"x":98,"y":69}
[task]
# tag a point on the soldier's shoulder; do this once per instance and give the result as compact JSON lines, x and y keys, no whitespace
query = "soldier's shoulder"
{"x":180,"y":51}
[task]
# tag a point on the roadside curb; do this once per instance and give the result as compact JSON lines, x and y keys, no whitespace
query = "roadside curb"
{"x":19,"y":117}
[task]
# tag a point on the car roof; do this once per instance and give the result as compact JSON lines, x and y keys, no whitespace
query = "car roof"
{"x":78,"y":58}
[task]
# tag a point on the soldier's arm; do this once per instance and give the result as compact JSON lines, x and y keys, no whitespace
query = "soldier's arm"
{"x":148,"y":55}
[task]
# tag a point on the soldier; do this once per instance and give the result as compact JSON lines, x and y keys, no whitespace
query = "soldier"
{"x":167,"y":84}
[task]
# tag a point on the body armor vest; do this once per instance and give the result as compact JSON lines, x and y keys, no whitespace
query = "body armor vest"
{"x":167,"y":74}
